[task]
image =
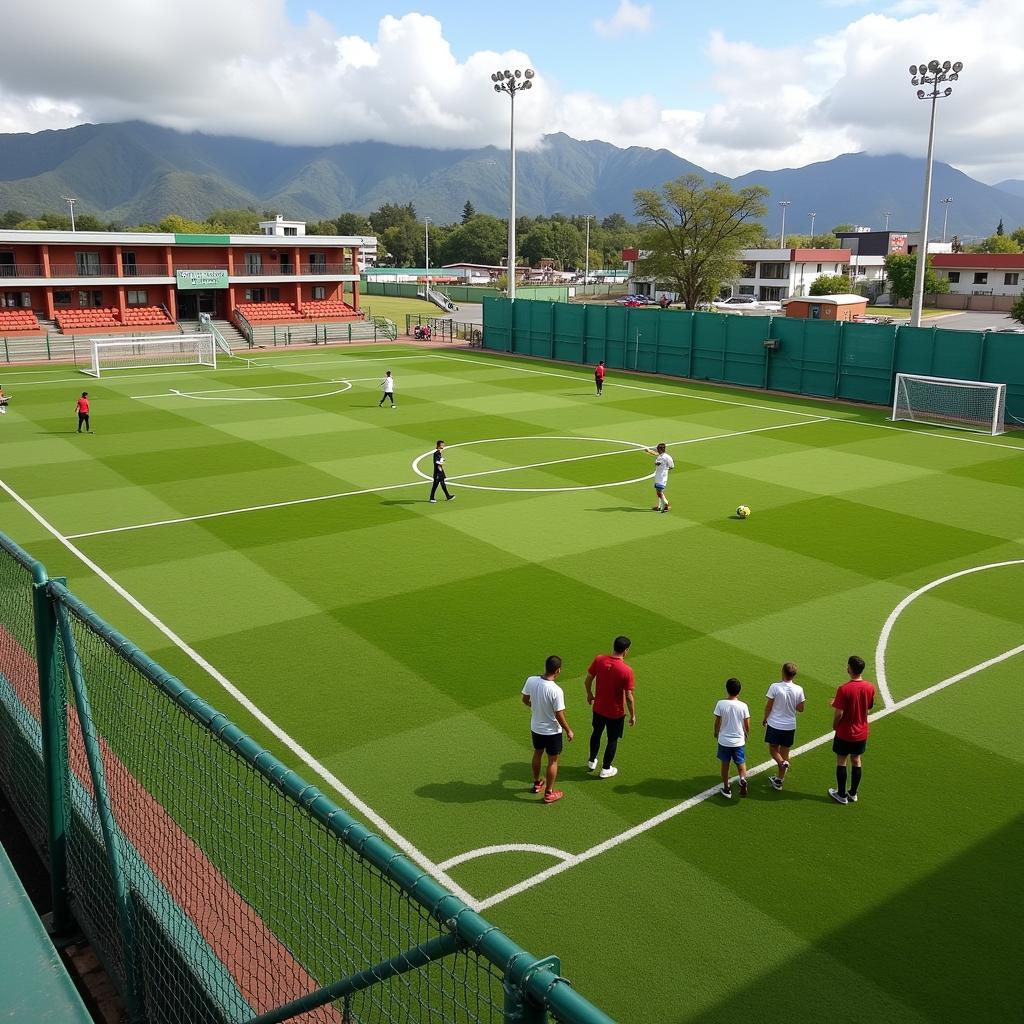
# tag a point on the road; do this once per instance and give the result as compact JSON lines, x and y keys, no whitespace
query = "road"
{"x":972,"y":321}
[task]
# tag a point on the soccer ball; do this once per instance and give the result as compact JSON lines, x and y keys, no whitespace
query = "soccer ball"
{"x":743,"y":512}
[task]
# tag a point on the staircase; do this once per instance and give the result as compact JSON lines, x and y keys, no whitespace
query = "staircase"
{"x":438,"y":299}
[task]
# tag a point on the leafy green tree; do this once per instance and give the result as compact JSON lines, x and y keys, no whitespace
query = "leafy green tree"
{"x":12,"y":218}
{"x":615,"y":222}
{"x":830,"y":284}
{"x":484,"y":239}
{"x":842,"y":227}
{"x":900,"y":269}
{"x":352,"y":224}
{"x":1018,"y":236}
{"x":391,"y":215}
{"x":999,"y":228}
{"x":404,"y":243}
{"x":468,"y":212}
{"x":997,"y":243}
{"x":694,"y":233}
{"x":1017,"y":312}
{"x":235,"y":221}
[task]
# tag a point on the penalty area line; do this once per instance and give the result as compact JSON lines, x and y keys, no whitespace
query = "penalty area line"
{"x":360,"y":806}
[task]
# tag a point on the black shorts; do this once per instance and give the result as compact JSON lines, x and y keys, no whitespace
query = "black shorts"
{"x":615,"y":726}
{"x":848,"y":748}
{"x":779,"y":737}
{"x":551,"y":745}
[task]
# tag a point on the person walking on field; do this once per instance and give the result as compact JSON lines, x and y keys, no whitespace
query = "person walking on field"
{"x":599,"y":377}
{"x":663,"y":462}
{"x":852,"y":702}
{"x":614,"y":694}
{"x":732,"y":726}
{"x":546,"y":701}
{"x":439,"y":477}
{"x":3,"y":402}
{"x":388,"y":384}
{"x":785,"y":701}
{"x":82,"y":405}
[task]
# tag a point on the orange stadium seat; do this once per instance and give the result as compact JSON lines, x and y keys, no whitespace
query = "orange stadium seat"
{"x":16,"y":321}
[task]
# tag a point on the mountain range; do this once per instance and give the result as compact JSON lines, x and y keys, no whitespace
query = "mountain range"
{"x":134,"y":172}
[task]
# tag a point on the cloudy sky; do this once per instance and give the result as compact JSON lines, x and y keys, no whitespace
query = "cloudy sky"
{"x":731,"y":86}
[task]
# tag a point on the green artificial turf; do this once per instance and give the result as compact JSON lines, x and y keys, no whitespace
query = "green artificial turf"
{"x":391,"y":637}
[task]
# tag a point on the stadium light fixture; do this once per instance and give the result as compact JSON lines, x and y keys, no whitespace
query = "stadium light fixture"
{"x":945,"y":214}
{"x":888,"y":214}
{"x":512,"y":82}
{"x":933,"y":73}
{"x":71,"y":200}
{"x":812,"y":215}
{"x":426,"y":251}
{"x":783,"y":205}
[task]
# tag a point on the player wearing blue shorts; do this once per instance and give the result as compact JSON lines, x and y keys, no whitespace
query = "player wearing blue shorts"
{"x":732,"y":726}
{"x":662,"y":464}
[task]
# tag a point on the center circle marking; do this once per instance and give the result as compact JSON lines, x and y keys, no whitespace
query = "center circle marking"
{"x":536,"y":490}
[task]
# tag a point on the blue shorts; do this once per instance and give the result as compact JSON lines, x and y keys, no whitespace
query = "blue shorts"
{"x":735,"y":754}
{"x":660,"y":487}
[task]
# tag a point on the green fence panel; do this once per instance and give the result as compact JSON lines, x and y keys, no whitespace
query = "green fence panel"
{"x":498,"y":318}
{"x":866,"y":357}
{"x":570,"y":332}
{"x":955,"y":354}
{"x":674,"y":343}
{"x":708,"y":361}
{"x":744,"y":361}
{"x":1003,"y":361}
{"x":615,"y":335}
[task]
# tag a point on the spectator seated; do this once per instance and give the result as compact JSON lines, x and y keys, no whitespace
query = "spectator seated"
{"x":266,"y":312}
{"x":19,"y":321}
{"x":329,"y":309}
{"x":146,"y":316}
{"x":87,"y":319}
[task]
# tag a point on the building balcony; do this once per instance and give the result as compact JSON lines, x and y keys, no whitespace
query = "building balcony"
{"x":34,"y":273}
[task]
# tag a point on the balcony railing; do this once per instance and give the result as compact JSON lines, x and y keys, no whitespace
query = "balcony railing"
{"x":107,"y":270}
{"x":269,"y":269}
{"x":21,"y":270}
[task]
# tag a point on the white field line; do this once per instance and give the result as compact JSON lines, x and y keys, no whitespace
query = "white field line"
{"x":410,"y":483}
{"x":484,"y":851}
{"x":746,"y":405}
{"x":883,"y":638}
{"x":178,"y":393}
{"x":686,"y":805}
{"x":275,"y":730}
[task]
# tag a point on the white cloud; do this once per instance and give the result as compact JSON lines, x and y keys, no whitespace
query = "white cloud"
{"x":255,"y":73}
{"x":628,"y":17}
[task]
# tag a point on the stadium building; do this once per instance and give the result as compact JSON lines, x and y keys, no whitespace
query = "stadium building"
{"x":111,"y":282}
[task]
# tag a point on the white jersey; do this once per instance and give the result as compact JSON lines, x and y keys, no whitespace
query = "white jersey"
{"x":733,"y":713}
{"x":662,"y":464}
{"x":389,"y":385}
{"x":546,"y":698}
{"x":786,"y":695}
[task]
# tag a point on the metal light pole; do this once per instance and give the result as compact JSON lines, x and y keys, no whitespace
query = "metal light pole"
{"x":934,"y":74}
{"x":888,"y":214}
{"x":945,"y":214}
{"x":812,"y":216}
{"x":586,"y":261}
{"x":426,"y":251}
{"x":782,"y":236}
{"x":70,"y":200}
{"x":512,"y":82}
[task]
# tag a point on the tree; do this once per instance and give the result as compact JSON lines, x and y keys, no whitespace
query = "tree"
{"x":1018,"y":236}
{"x":468,"y":212}
{"x":997,"y":243}
{"x":615,"y":222}
{"x":1017,"y":312}
{"x":391,"y":215}
{"x":830,"y":284}
{"x":12,"y":218}
{"x":235,"y":221}
{"x":900,"y":269}
{"x":484,"y":239}
{"x":403,"y":242}
{"x":842,"y":227}
{"x":999,"y":228}
{"x":694,"y":233}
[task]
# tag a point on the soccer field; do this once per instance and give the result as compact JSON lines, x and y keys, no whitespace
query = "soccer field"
{"x":273,"y":522}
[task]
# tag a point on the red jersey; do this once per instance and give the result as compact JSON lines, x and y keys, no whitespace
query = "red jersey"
{"x":855,"y":699}
{"x":613,"y":678}
{"x":83,"y":406}
{"x":599,"y":372}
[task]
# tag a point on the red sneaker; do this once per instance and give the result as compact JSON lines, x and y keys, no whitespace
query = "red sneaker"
{"x":538,"y":786}
{"x":555,"y":794}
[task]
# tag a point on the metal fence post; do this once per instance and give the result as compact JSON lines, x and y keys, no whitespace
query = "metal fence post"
{"x":53,"y":729}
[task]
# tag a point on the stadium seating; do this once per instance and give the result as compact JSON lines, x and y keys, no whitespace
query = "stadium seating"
{"x":263,"y":312}
{"x":146,"y":316}
{"x":87,"y":319}
{"x":19,"y":321}
{"x":329,"y":309}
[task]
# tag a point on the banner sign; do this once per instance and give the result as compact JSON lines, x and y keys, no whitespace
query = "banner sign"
{"x":201,"y":280}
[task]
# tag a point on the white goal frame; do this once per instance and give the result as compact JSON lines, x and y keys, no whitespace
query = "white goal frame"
{"x":199,"y":349}
{"x":990,"y":422}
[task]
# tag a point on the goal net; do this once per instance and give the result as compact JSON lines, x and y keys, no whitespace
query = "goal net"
{"x":132,"y":353}
{"x":947,"y":402}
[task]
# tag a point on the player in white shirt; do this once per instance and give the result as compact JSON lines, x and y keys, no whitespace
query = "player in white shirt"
{"x":785,"y":701}
{"x":546,"y":701}
{"x":388,"y":384}
{"x":662,"y":464}
{"x":732,"y":726}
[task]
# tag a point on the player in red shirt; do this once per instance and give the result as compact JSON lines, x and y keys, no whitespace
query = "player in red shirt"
{"x":82,"y":405}
{"x":852,"y":702}
{"x":599,"y":377}
{"x":614,"y":693}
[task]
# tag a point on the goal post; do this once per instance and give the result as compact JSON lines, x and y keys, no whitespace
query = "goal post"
{"x":947,"y":402}
{"x":132,"y":352}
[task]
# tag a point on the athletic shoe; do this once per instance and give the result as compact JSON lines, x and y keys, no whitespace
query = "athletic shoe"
{"x":451,"y":497}
{"x":591,"y":765}
{"x":851,"y":797}
{"x":727,"y":793}
{"x":667,"y":508}
{"x":538,"y":786}
{"x":433,"y":501}
{"x":555,"y":794}
{"x":607,"y":773}
{"x":837,"y":796}
{"x":743,"y":787}
{"x":776,"y":782}
{"x":655,"y":508}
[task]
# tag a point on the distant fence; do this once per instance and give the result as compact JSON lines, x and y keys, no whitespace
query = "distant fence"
{"x":856,"y":362}
{"x":444,"y":328}
{"x":464,"y":293}
{"x":216,"y":886}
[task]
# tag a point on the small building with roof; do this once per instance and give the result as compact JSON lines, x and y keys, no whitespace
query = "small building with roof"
{"x":825,"y":307}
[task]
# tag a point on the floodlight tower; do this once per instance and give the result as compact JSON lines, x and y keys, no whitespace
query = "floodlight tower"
{"x":934,"y":73}
{"x":888,"y":214}
{"x":783,"y":205}
{"x":945,"y":214}
{"x":812,"y":215}
{"x":512,"y":82}
{"x":70,"y":200}
{"x":426,"y":251}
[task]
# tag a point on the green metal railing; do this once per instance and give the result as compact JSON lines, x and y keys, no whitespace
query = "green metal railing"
{"x":215,"y":883}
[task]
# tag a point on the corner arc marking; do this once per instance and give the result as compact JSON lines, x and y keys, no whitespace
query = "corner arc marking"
{"x":486,"y":851}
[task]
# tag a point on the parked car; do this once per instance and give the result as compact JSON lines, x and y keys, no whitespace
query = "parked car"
{"x":735,"y":301}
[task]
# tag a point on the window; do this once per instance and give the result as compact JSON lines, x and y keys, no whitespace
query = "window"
{"x":745,"y":289}
{"x":291,"y":231}
{"x":273,"y":295}
{"x":319,"y":292}
{"x":253,"y":294}
{"x":775,"y":271}
{"x":749,"y":270}
{"x":8,"y":267}
{"x":953,"y":276}
{"x":254,"y":263}
{"x":981,"y":278}
{"x":62,"y":298}
{"x":138,"y":297}
{"x":1011,"y":278}
{"x":90,"y":300}
{"x":88,"y":263}
{"x":15,"y":299}
{"x":128,"y":265}
{"x":771,"y":294}
{"x":317,"y":262}
{"x":820,"y":265}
